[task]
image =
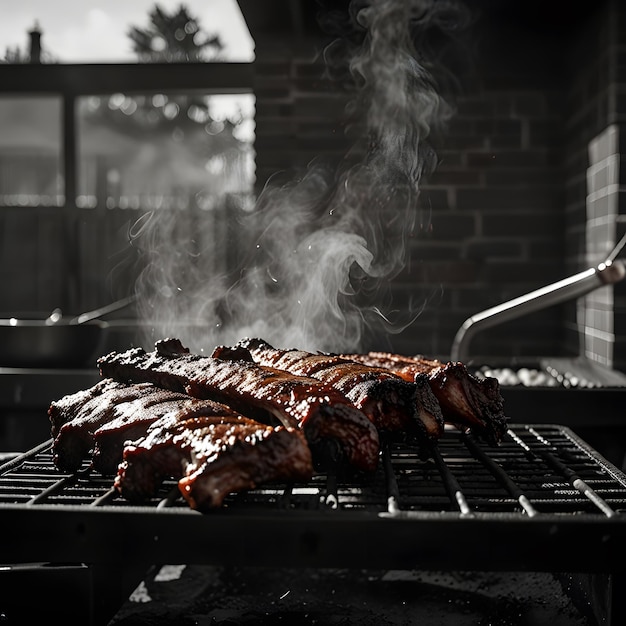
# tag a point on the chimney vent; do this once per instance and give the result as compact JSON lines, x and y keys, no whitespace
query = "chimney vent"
{"x":35,"y":44}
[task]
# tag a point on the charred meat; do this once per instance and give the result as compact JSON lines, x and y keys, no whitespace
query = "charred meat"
{"x":391,"y":403}
{"x":212,"y":451}
{"x":108,"y":400}
{"x":68,"y":407}
{"x":266,"y":394}
{"x":466,"y":401}
{"x":131,"y":419}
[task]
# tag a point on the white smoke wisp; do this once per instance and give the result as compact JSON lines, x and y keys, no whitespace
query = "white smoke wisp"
{"x":324,"y":248}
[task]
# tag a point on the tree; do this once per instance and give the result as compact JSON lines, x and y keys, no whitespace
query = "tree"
{"x":175,"y":37}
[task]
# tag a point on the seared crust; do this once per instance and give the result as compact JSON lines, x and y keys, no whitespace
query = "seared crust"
{"x":107,"y":401}
{"x":391,"y":403}
{"x":266,"y":394}
{"x":211,"y":452}
{"x":466,"y":401}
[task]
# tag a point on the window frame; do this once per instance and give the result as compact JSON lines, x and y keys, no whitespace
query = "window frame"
{"x":71,"y":81}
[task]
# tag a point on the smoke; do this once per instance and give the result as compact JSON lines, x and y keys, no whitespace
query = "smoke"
{"x":324,"y":247}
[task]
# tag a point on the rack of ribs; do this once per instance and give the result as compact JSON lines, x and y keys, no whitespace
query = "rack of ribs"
{"x":265,"y":394}
{"x":212,"y":451}
{"x":466,"y":401}
{"x":68,"y":407}
{"x":118,"y":411}
{"x":130,"y":420}
{"x":390,"y":402}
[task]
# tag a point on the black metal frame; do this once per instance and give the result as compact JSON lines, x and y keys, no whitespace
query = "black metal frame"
{"x":543,"y":501}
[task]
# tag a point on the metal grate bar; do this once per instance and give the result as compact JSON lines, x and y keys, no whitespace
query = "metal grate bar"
{"x":500,"y":475}
{"x":169,"y":500}
{"x":451,"y":483}
{"x":331,"y":499}
{"x":393,"y":492}
{"x":55,"y":488}
{"x":536,"y":470}
{"x":572,"y":477}
{"x":105,"y":498}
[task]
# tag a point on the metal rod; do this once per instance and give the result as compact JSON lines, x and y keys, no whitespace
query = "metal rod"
{"x":331,"y":499}
{"x":576,"y":481}
{"x":393,"y":493}
{"x":500,"y":475}
{"x":570,"y":288}
{"x":451,"y":483}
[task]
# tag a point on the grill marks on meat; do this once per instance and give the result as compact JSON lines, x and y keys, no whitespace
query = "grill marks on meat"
{"x":466,"y":401}
{"x":69,"y":406}
{"x":211,"y":454}
{"x":267,"y":394}
{"x":147,"y":434}
{"x":391,"y":403}
{"x":131,"y":420}
{"x":74,"y":440}
{"x":117,"y":411}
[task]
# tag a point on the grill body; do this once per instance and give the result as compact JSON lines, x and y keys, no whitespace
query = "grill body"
{"x":542,"y":501}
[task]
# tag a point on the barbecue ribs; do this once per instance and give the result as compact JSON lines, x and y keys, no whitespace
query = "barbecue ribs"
{"x":466,"y":401}
{"x":212,"y":451}
{"x":391,"y":403}
{"x":131,"y":420}
{"x":76,"y":420}
{"x":266,"y":394}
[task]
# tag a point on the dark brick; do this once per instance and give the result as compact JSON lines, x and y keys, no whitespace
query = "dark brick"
{"x":425,"y":251}
{"x":545,"y":132}
{"x":546,"y":248}
{"x":274,"y":142}
{"x":475,"y":107}
{"x":319,"y":107}
{"x":273,"y":127}
{"x":529,"y":275}
{"x":529,"y":104}
{"x":502,"y":198}
{"x":505,"y":142}
{"x":448,"y":272}
{"x":450,"y":159}
{"x":461,"y":126}
{"x":523,"y":224}
{"x":452,"y":176}
{"x":466,"y":142}
{"x":432,"y":198}
{"x":452,"y":226}
{"x":266,"y":108}
{"x":481,"y":249}
{"x":530,"y":176}
{"x":507,"y":158}
{"x":499,"y":126}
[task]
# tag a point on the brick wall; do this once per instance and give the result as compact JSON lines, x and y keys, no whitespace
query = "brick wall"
{"x":494,"y":211}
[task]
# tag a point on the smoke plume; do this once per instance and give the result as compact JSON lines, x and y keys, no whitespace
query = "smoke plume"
{"x":321,"y":250}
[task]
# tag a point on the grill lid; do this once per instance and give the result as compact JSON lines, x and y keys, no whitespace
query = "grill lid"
{"x":543,"y":501}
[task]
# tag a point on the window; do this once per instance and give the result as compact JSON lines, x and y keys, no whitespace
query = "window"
{"x":31,"y":151}
{"x":170,"y":151}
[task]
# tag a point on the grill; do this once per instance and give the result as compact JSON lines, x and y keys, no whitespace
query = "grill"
{"x":543,"y":501}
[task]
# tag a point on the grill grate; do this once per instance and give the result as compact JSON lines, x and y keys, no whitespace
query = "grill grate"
{"x":537,"y":470}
